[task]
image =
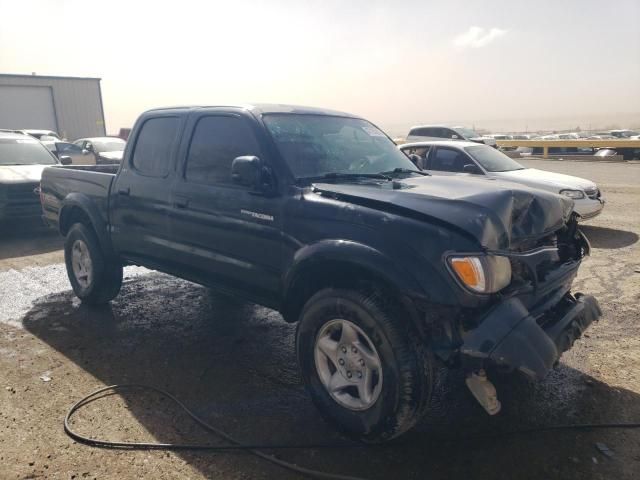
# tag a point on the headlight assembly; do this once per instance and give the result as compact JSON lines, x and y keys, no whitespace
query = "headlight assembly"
{"x":482,"y":274}
{"x":575,"y":194}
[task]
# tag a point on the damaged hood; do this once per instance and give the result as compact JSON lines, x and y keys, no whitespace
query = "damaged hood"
{"x":498,"y":214}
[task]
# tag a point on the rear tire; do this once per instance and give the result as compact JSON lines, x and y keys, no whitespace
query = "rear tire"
{"x":373,"y":339}
{"x":94,"y":278}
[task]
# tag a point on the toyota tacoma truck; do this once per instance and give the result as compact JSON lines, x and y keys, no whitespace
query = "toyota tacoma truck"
{"x":386,"y":269}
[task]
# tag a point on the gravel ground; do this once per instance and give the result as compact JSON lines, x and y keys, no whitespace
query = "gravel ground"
{"x":234,"y":364}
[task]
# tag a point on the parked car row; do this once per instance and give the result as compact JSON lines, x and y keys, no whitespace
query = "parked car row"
{"x":601,"y":135}
{"x":88,"y":151}
{"x":83,"y":151}
{"x":628,"y":153}
{"x":25,"y":153}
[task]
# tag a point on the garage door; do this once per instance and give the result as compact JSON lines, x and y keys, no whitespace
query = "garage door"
{"x":27,"y":107}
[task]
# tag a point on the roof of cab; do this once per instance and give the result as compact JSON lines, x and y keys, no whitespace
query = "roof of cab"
{"x":264,"y":108}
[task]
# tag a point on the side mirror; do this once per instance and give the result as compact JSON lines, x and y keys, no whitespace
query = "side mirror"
{"x":65,"y":160}
{"x":246,"y":170}
{"x":471,"y":168}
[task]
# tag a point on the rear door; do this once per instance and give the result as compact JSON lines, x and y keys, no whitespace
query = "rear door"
{"x":140,"y":198}
{"x":225,"y":234}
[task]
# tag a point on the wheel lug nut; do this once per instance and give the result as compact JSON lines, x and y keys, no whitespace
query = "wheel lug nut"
{"x":354,"y":349}
{"x":361,"y":362}
{"x":344,"y":349}
{"x":341,"y":362}
{"x":349,"y":375}
{"x":359,"y":374}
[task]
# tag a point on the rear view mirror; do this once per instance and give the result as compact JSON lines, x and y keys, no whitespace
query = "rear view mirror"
{"x":246,"y":171}
{"x":471,"y":168}
{"x":455,"y":137}
{"x":65,"y":160}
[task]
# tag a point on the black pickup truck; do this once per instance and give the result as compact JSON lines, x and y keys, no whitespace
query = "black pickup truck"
{"x":317,"y":214}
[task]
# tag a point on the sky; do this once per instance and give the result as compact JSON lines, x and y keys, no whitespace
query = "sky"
{"x":501,"y":65}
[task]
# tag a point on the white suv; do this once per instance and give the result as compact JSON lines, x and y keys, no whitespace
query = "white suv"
{"x":438,"y":132}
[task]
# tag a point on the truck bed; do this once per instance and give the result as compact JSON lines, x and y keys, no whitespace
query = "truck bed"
{"x":60,"y":182}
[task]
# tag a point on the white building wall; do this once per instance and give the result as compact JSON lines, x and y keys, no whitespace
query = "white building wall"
{"x":76,"y":104}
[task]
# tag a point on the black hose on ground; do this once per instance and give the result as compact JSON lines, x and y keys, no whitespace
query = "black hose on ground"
{"x":236,"y":446}
{"x":256,"y":449}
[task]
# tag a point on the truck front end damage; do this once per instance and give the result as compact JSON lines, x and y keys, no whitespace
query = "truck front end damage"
{"x":532,"y":322}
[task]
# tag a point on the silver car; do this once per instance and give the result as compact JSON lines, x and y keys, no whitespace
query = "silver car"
{"x":469,"y":158}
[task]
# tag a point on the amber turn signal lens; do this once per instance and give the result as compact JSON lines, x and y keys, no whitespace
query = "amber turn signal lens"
{"x":470,"y":272}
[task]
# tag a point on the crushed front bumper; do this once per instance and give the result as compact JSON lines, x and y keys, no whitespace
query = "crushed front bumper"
{"x":511,"y":336}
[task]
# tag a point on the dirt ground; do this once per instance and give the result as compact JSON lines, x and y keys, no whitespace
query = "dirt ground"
{"x":234,"y":364}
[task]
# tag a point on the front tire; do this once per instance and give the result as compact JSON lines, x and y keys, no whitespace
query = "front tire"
{"x":94,"y":279}
{"x":362,"y":364}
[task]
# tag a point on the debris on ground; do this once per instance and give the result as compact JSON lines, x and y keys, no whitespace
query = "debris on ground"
{"x":604,"y":449}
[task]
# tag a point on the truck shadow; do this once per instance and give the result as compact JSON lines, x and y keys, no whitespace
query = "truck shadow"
{"x":609,"y":238}
{"x":234,"y":364}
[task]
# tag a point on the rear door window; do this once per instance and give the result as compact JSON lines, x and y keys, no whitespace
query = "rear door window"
{"x":155,"y":145}
{"x":448,"y":160}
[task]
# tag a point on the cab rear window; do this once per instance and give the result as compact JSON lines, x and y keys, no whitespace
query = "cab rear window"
{"x":155,"y":145}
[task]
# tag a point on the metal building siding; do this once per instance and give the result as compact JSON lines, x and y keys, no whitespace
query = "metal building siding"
{"x":27,"y":106}
{"x":77,"y":103}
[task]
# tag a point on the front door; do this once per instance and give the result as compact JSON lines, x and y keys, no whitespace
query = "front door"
{"x":225,"y":233}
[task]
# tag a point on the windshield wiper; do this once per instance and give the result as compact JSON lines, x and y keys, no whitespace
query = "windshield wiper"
{"x":341,"y":175}
{"x":406,"y":170}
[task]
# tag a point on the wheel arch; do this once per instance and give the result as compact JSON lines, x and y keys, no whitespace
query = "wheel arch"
{"x":344,"y":264}
{"x":79,"y":208}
